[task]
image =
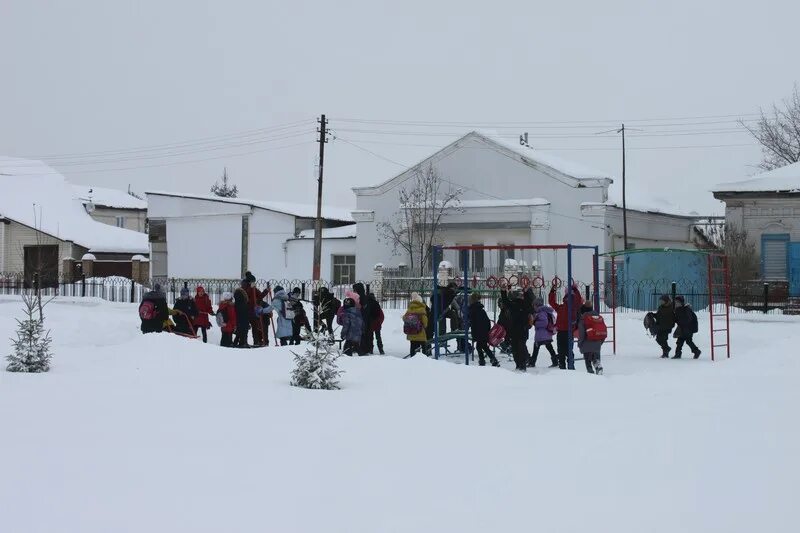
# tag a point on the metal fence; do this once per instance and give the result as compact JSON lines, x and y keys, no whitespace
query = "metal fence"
{"x":395,"y":292}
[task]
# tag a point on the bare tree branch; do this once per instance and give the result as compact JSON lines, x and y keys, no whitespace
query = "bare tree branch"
{"x":778,"y":133}
{"x":415,"y":227}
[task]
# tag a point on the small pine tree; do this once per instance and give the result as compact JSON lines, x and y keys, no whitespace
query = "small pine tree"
{"x":316,"y":368}
{"x":225,"y":190}
{"x":32,"y":345}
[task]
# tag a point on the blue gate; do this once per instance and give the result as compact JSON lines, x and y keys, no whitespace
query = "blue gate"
{"x":794,"y":269}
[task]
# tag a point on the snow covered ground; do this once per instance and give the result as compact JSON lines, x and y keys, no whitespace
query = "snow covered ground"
{"x":156,"y":433}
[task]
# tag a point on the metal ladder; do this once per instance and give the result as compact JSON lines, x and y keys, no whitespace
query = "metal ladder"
{"x":719,"y":296}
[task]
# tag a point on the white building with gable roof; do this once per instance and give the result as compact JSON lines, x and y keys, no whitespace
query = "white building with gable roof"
{"x":511,"y":195}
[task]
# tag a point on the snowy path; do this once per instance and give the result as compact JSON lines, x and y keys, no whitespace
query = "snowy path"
{"x":133,"y":433}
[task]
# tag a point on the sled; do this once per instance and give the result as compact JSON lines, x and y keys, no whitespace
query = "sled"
{"x":171,"y":329}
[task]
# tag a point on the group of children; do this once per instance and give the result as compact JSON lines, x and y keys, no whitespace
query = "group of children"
{"x":520,"y":311}
{"x":677,"y":315}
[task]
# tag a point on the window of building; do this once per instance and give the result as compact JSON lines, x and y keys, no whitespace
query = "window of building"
{"x":344,"y":269}
{"x":120,"y":222}
{"x":502,"y":255}
{"x":774,"y":256}
{"x":475,"y":258}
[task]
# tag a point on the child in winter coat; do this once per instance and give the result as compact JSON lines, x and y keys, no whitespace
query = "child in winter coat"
{"x":226,"y":319}
{"x":254,"y":297}
{"x":242,"y":310}
{"x":300,"y":319}
{"x":480,"y":325}
{"x":281,"y":307}
{"x":204,"y":309}
{"x":544,"y":323}
{"x":519,"y":312}
{"x":590,"y":348}
{"x":185,"y":314}
{"x":566,"y":357}
{"x":665,"y":321}
{"x":153,"y":310}
{"x":349,"y":317}
{"x":377,"y":321}
{"x":686,"y":320}
{"x":415,"y":324}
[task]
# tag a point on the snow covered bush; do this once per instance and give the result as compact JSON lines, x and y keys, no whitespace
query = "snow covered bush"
{"x":316,"y":368}
{"x":32,"y":345}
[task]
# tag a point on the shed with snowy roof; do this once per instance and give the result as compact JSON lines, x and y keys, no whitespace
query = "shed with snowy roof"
{"x":767,"y":207}
{"x":198,"y":236}
{"x":510,"y":195}
{"x":44,"y":225}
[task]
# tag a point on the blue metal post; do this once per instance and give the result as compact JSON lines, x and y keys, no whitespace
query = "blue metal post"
{"x":570,"y":307}
{"x":435,"y":302}
{"x":464,"y":314}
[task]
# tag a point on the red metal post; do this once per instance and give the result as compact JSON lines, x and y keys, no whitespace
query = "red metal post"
{"x":711,"y":300}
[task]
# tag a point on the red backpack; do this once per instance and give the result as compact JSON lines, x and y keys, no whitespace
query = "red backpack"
{"x":147,"y":310}
{"x":595,"y":328}
{"x":497,"y":335}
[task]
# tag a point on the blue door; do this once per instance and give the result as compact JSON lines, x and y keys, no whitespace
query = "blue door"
{"x":794,"y":268}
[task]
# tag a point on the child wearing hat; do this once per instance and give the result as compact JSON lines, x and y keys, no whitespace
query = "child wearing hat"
{"x":226,"y":319}
{"x":665,"y":321}
{"x":204,"y":310}
{"x":186,"y":313}
{"x":686,"y":320}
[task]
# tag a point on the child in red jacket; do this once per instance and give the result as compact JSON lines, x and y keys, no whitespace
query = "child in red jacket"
{"x":204,"y":309}
{"x":226,"y":319}
{"x":566,"y":357}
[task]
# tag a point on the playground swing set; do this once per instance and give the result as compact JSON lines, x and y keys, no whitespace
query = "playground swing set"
{"x":718,"y":279}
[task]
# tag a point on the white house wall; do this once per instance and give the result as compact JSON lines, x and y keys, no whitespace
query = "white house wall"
{"x":301,"y":256}
{"x":759,"y":216}
{"x":267,"y":257}
{"x":475,"y":167}
{"x":205,"y":247}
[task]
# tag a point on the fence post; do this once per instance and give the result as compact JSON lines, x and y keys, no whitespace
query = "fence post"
{"x":83,"y":285}
{"x":588,"y":295}
{"x":133,"y":290}
{"x":303,"y":290}
{"x":674,"y":291}
{"x":766,"y":298}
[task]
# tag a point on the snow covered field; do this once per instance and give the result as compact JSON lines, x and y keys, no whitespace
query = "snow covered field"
{"x":133,"y":433}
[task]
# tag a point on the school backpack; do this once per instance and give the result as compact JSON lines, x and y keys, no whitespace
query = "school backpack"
{"x":147,"y":310}
{"x":693,"y":327}
{"x":220,"y":319}
{"x":650,"y":323}
{"x":551,"y":323}
{"x":497,"y":335}
{"x":286,"y":311}
{"x":595,"y":328}
{"x":412,"y":325}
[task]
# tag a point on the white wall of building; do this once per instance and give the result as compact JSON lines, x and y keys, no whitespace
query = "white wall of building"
{"x":205,"y":247}
{"x":133,"y":219}
{"x":484,"y":173}
{"x":267,"y":256}
{"x":301,"y":257}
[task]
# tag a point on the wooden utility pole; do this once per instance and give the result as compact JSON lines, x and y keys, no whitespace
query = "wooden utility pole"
{"x":624,"y":203}
{"x":323,"y":132}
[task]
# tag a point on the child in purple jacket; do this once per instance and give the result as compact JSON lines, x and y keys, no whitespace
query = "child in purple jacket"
{"x":544,"y":321}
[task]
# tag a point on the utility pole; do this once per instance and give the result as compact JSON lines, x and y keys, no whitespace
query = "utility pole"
{"x":624,"y":203}
{"x":323,"y":138}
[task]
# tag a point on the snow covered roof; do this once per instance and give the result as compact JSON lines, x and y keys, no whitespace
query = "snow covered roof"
{"x":342,"y":232}
{"x":523,"y":202}
{"x":340,"y":214}
{"x":564,"y":166}
{"x":39,"y":197}
{"x":783,"y":179}
{"x":102,"y":196}
{"x":668,"y":210}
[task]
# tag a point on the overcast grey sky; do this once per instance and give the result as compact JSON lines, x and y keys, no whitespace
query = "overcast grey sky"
{"x":90,"y":76}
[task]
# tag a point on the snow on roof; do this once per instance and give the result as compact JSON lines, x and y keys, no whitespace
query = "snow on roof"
{"x":39,"y":197}
{"x":564,"y":166}
{"x":524,"y":202}
{"x":105,"y":197}
{"x":783,"y":179}
{"x":342,"y":232}
{"x":340,"y":214}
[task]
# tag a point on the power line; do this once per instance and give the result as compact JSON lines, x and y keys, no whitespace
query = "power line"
{"x":175,"y":163}
{"x":179,"y":144}
{"x":534,"y":122}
